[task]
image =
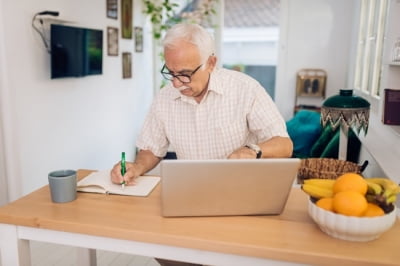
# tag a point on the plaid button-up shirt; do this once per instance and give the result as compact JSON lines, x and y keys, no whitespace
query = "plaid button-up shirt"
{"x":235,"y":111}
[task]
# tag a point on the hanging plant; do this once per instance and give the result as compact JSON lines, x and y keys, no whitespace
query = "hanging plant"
{"x":202,"y":14}
{"x":163,"y":14}
{"x":159,"y":11}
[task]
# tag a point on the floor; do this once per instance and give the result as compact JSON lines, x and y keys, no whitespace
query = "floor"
{"x":45,"y":254}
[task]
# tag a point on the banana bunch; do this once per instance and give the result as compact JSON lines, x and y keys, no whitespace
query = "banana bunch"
{"x":318,"y":188}
{"x":382,"y":191}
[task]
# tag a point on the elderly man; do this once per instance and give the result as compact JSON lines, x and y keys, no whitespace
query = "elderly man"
{"x":205,"y":112}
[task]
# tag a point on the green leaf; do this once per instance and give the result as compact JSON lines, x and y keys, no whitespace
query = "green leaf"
{"x":162,"y":14}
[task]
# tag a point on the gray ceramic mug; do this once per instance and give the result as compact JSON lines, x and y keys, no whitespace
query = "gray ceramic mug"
{"x":62,"y":185}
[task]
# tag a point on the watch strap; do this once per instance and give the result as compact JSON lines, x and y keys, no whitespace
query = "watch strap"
{"x":256,"y":149}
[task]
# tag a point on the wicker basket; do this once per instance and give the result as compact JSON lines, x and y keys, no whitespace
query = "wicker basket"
{"x":325,"y":168}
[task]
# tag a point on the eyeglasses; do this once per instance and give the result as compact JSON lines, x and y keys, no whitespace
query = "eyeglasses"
{"x":184,"y":78}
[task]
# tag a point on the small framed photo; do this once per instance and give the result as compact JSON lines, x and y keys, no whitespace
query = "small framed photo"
{"x":311,"y":83}
{"x":126,"y":19}
{"x":112,"y":41}
{"x":138,"y":39}
{"x":112,"y":9}
{"x":126,"y":65}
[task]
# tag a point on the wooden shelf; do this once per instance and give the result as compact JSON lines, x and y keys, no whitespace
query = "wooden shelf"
{"x":310,"y":86}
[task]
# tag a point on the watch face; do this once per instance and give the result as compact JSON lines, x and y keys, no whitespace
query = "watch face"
{"x":259,"y":153}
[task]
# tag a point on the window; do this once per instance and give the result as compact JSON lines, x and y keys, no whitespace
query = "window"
{"x":250,"y":39}
{"x":371,"y":30}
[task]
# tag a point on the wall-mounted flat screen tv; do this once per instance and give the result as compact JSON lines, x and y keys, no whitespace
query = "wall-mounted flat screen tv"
{"x":75,"y":52}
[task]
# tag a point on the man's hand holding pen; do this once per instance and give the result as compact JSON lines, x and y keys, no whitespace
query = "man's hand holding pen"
{"x":145,"y":161}
{"x":130,"y":173}
{"x":123,"y":169}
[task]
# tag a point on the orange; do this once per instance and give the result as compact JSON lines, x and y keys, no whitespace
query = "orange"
{"x":350,"y":203}
{"x":373,"y":210}
{"x":350,"y":181}
{"x":325,"y":203}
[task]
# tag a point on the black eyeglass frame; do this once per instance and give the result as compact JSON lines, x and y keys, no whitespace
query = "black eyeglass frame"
{"x":170,"y":76}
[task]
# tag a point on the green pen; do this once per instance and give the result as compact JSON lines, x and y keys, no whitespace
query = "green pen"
{"x":123,"y":169}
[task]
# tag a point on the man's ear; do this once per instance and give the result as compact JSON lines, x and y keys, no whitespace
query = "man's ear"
{"x":212,"y":62}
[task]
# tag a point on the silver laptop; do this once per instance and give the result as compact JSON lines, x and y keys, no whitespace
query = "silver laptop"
{"x":226,"y":187}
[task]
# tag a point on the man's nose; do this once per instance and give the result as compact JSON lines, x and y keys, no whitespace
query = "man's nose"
{"x":176,"y":82}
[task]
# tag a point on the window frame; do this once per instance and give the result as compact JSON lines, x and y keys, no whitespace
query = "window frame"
{"x":370,"y":48}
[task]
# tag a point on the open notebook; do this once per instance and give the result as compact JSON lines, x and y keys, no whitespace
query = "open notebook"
{"x":100,"y":182}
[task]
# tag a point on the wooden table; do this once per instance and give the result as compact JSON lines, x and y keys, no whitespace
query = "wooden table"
{"x":134,"y":225}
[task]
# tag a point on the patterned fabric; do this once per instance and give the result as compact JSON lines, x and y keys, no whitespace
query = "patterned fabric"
{"x":235,"y":111}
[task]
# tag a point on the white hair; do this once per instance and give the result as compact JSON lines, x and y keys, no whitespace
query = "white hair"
{"x":191,"y":33}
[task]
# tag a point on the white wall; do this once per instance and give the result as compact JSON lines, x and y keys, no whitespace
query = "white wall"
{"x":3,"y":181}
{"x":73,"y":122}
{"x":314,"y":34}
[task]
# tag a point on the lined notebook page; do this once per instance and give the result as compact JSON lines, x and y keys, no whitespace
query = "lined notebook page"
{"x":100,"y":182}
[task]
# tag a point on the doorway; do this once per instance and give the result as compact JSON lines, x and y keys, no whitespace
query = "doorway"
{"x":250,"y":39}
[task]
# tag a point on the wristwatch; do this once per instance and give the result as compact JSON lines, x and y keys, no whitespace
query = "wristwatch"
{"x":256,"y":149}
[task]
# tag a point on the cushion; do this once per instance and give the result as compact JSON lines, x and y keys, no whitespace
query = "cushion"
{"x":304,"y":129}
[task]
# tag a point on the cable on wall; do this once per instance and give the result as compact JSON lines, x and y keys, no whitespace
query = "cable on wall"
{"x":37,"y":18}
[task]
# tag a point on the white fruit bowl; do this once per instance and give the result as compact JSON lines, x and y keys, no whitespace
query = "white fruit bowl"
{"x":349,"y":227}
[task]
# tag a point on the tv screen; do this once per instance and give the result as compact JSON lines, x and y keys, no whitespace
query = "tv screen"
{"x":75,"y":52}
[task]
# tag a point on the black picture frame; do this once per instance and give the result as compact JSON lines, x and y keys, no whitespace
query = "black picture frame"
{"x":126,"y":65}
{"x":112,"y":9}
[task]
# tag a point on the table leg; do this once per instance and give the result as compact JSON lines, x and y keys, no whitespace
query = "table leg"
{"x":86,"y":256}
{"x":13,"y":251}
